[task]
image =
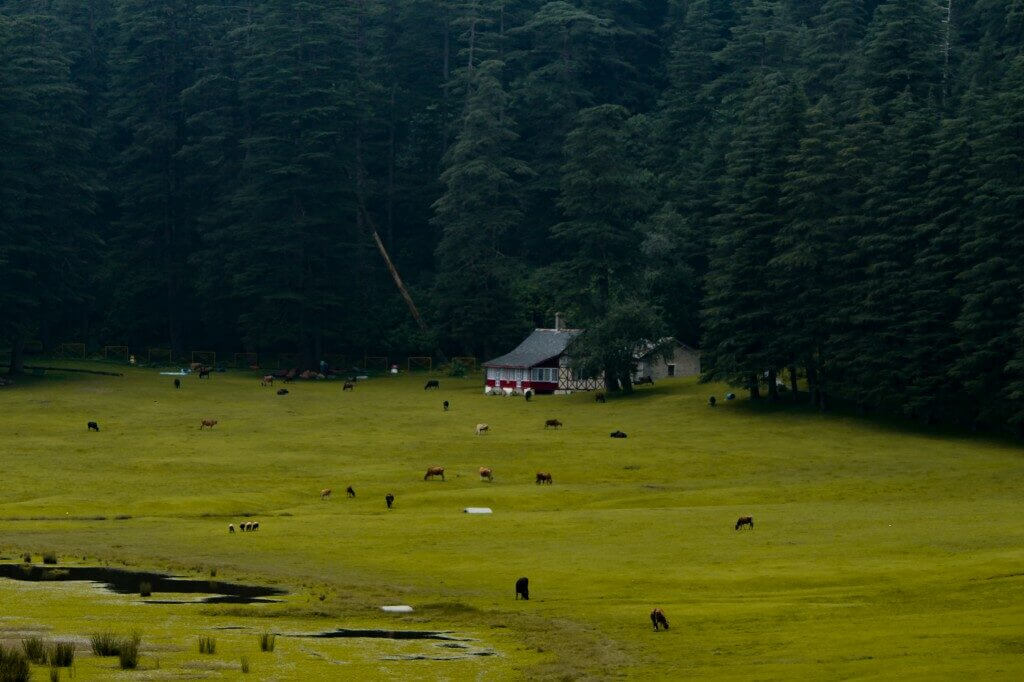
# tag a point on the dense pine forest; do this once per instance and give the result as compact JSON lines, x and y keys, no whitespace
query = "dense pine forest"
{"x":824,"y":189}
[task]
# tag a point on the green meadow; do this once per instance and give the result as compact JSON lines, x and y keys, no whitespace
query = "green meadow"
{"x":879,"y":550}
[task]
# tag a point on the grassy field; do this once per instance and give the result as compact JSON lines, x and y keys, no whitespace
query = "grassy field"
{"x":879,"y":551}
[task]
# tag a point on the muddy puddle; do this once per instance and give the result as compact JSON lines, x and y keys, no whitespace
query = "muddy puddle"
{"x":161,"y":586}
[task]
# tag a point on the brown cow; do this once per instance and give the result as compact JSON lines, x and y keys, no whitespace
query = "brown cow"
{"x":204,"y":372}
{"x":553,"y":423}
{"x":745,"y":521}
{"x":348,"y":386}
{"x":325,"y":493}
{"x":207,"y":422}
{"x":658,"y":618}
{"x":485,"y":472}
{"x":544,"y":477}
{"x":434,"y":471}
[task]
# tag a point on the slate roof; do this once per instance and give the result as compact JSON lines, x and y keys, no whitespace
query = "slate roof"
{"x":648,"y":347}
{"x":541,"y":345}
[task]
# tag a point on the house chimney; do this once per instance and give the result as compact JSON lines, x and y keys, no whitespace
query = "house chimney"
{"x":559,"y":325}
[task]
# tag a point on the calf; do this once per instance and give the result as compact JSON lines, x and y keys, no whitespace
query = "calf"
{"x":434,"y":471}
{"x":523,"y":588}
{"x":93,"y":426}
{"x":617,"y":434}
{"x":599,"y":398}
{"x":658,"y":618}
{"x":282,"y":391}
{"x":268,"y":380}
{"x":389,"y":499}
{"x":431,"y":383}
{"x":481,"y":429}
{"x":207,"y":422}
{"x":553,"y":423}
{"x":745,"y":521}
{"x":325,"y":493}
{"x":485,"y":472}
{"x":348,"y":386}
{"x":350,"y":492}
{"x":204,"y":372}
{"x":446,"y":406}
{"x":177,"y":383}
{"x":544,"y":477}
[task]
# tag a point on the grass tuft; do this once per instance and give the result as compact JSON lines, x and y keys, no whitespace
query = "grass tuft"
{"x":14,"y":665}
{"x":145,"y":588}
{"x":26,"y":557}
{"x":54,"y":674}
{"x":267,"y":641}
{"x":61,"y":654}
{"x":245,"y":665}
{"x":35,"y":649}
{"x":207,"y":645}
{"x":128,"y":652}
{"x":49,"y":558}
{"x":105,"y":644}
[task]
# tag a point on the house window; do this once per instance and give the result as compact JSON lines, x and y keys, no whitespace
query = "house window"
{"x":671,"y":370}
{"x":548,"y":374}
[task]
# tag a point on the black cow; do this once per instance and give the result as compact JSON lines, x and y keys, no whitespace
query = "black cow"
{"x":431,"y":383}
{"x":390,"y":499}
{"x":599,"y":398}
{"x":617,"y":434}
{"x":282,"y":391}
{"x":446,"y":406}
{"x":523,"y":588}
{"x":177,"y":383}
{"x":711,"y":401}
{"x":204,"y":372}
{"x":93,"y":426}
{"x":745,"y":521}
{"x":352,"y":493}
{"x":644,"y":380}
{"x":658,"y":618}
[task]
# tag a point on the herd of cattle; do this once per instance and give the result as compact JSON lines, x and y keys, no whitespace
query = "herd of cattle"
{"x":522,"y":587}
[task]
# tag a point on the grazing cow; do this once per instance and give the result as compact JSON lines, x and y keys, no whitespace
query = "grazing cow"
{"x":243,"y":526}
{"x":745,"y":521}
{"x":658,"y":618}
{"x":553,"y":423}
{"x":482,"y":428}
{"x":268,"y":380}
{"x":485,"y":472}
{"x":644,"y":380}
{"x":195,"y":366}
{"x":325,"y":493}
{"x":711,"y":401}
{"x":350,"y":492}
{"x":617,"y":434}
{"x":204,"y":372}
{"x":523,"y":588}
{"x":282,"y":391}
{"x":599,"y":398}
{"x":446,"y":405}
{"x":528,"y":394}
{"x":207,"y":422}
{"x":177,"y":383}
{"x":431,"y":383}
{"x":544,"y":477}
{"x":231,"y":528}
{"x":390,"y":499}
{"x":255,"y":525}
{"x":92,"y":426}
{"x":348,"y":386}
{"x":434,"y":471}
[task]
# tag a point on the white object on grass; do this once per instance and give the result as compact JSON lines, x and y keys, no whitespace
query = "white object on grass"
{"x":477,"y":510}
{"x":397,"y":608}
